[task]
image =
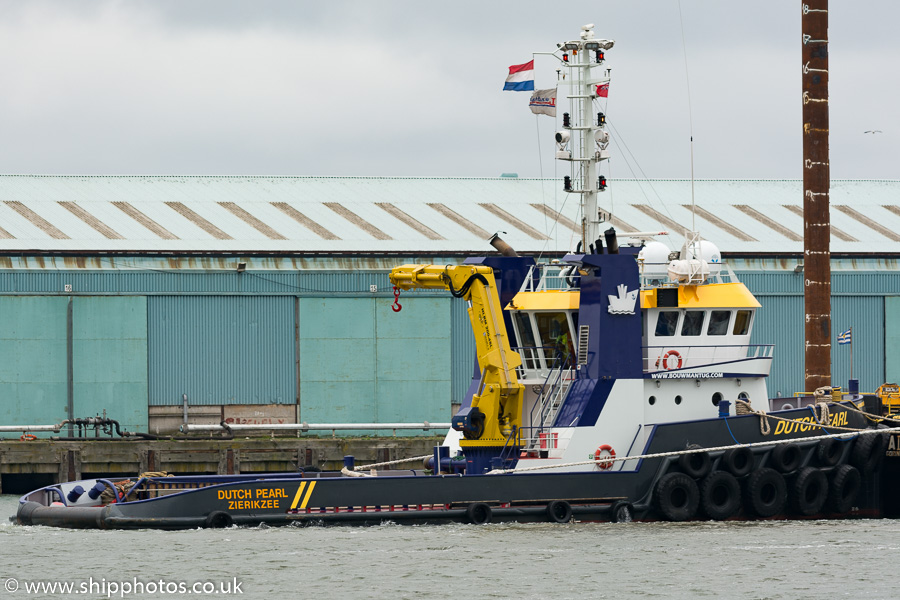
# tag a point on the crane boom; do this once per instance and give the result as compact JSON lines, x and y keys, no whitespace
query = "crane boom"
{"x":496,"y":409}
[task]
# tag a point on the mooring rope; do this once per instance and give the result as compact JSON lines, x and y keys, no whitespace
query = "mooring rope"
{"x":390,"y":462}
{"x":697,"y":450}
{"x":868,"y":415}
{"x":763,"y":413}
{"x":742,"y":407}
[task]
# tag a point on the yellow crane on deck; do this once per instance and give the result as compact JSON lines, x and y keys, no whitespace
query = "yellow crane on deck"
{"x":496,"y":410}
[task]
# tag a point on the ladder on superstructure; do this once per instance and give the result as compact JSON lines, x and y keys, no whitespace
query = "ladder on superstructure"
{"x":553,"y":393}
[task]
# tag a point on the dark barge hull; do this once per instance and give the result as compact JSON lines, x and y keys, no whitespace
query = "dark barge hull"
{"x":416,"y":497}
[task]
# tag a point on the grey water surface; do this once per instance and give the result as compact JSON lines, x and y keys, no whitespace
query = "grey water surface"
{"x":775,"y":559}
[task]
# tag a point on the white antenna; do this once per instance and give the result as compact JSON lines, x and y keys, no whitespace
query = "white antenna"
{"x":690,"y":117}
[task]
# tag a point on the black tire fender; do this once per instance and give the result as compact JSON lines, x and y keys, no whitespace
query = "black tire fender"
{"x":218,"y":519}
{"x":738,"y":461}
{"x":559,"y":511}
{"x":809,"y":491}
{"x":843,"y":488}
{"x":829,"y":451}
{"x":765,"y":492}
{"x":868,"y":450}
{"x":720,"y":495}
{"x":677,"y":496}
{"x":786,"y":457}
{"x":621,"y":512}
{"x":479,"y":513}
{"x":695,"y":464}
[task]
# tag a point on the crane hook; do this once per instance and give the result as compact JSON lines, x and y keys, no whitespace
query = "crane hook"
{"x":396,"y":305}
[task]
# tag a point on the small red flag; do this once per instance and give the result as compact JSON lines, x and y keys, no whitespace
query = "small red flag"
{"x":603,"y":90}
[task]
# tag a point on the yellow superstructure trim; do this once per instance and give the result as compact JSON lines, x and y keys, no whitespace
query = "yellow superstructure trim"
{"x":713,"y":295}
{"x":312,"y":485}
{"x":297,"y":495}
{"x":547,"y":300}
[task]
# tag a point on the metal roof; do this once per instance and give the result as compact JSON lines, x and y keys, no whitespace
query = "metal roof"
{"x":417,"y":214}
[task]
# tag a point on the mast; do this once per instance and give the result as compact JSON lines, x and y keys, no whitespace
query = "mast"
{"x":583,"y":139}
{"x":816,"y":184}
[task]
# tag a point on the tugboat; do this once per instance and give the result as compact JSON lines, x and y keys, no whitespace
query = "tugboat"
{"x":616,"y":383}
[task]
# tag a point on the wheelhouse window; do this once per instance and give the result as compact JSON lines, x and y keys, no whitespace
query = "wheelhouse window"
{"x":667,"y":323}
{"x":555,"y":336}
{"x":718,"y":322}
{"x":693,"y":322}
{"x":524,"y":329}
{"x":742,"y":322}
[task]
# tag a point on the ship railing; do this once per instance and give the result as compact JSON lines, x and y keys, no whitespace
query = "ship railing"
{"x":538,"y":440}
{"x":538,"y":359}
{"x":509,"y":452}
{"x":671,"y":357}
{"x":546,"y":406}
{"x":545,"y":277}
{"x":655,"y":275}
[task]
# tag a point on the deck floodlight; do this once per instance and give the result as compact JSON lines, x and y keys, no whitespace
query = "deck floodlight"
{"x":562,"y":137}
{"x":592,"y":45}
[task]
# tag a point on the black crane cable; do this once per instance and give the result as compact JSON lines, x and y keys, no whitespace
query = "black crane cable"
{"x":465,"y":287}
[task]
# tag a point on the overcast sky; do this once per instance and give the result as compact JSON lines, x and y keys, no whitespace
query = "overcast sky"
{"x":414,"y":88}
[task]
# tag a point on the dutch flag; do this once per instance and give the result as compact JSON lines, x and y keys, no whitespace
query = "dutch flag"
{"x":521,"y":78}
{"x":845,"y":338}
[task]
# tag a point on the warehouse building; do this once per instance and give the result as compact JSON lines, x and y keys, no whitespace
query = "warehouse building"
{"x":266,"y":299}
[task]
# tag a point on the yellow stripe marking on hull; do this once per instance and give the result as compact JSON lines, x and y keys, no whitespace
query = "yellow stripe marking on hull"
{"x":297,"y":495}
{"x":308,"y":494}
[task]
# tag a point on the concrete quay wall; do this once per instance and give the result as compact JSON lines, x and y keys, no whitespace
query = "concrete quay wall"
{"x":25,"y":465}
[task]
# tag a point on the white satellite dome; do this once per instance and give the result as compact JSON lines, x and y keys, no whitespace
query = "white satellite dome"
{"x":655,"y":259}
{"x":708,"y":252}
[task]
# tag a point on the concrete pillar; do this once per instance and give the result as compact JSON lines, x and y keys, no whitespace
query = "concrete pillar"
{"x":69,"y":466}
{"x":229,"y":462}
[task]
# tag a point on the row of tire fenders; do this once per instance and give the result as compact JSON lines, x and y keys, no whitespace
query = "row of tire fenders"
{"x":765,"y":491}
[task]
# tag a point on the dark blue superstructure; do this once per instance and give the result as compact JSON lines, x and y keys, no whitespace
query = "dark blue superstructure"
{"x":614,"y":340}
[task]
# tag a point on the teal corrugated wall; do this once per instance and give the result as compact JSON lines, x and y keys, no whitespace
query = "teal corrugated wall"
{"x":781,"y":322}
{"x":362,"y":362}
{"x":221,"y":349}
{"x":892,"y":339}
{"x":142,"y":282}
{"x":109,"y":352}
{"x":225,"y":337}
{"x":33,"y":370}
{"x":337,"y":360}
{"x":865,"y":314}
{"x":109,"y":355}
{"x":462,"y":348}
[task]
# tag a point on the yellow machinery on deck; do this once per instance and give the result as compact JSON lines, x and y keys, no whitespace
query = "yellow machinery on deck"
{"x":890,"y":398}
{"x":496,"y":410}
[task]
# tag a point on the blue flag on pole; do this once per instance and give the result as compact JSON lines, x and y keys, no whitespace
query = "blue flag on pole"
{"x":845,"y":338}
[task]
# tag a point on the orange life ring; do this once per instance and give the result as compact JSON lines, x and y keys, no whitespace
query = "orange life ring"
{"x":27,"y":437}
{"x":665,"y":360}
{"x":598,"y":456}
